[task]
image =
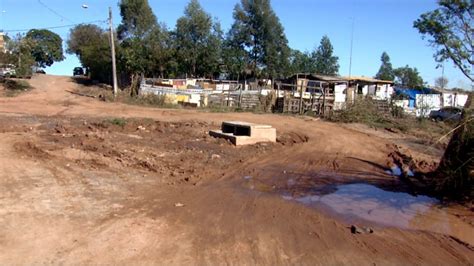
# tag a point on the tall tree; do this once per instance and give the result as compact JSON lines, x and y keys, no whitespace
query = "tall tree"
{"x":91,"y":45}
{"x":326,"y":62}
{"x":302,"y":62}
{"x":20,"y":49}
{"x":408,"y":77}
{"x":198,"y":41}
{"x":385,"y":70}
{"x":258,"y":33}
{"x":47,"y":47}
{"x":138,"y":24}
{"x":450,"y":29}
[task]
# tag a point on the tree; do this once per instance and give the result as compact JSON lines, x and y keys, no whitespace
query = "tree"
{"x":326,"y":62}
{"x":258,"y":33}
{"x":198,"y":42}
{"x":408,"y":77}
{"x":385,"y":70}
{"x":138,"y":25}
{"x":91,"y":45}
{"x":441,"y":82}
{"x":46,"y":47}
{"x":302,"y":62}
{"x":450,"y":31}
{"x":21,"y":56}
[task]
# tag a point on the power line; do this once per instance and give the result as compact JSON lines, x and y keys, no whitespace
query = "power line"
{"x":57,"y":27}
{"x":54,"y":12}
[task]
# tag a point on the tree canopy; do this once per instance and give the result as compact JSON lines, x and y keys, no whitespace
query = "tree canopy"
{"x":302,"y":62}
{"x":326,"y":62}
{"x":46,"y":47}
{"x":449,"y":29}
{"x":385,"y":71}
{"x":258,"y":33}
{"x":198,"y":42}
{"x":408,"y":77}
{"x":91,"y":45}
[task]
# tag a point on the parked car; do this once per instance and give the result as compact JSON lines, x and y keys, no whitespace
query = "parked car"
{"x":78,"y":71}
{"x":447,"y":113}
{"x":7,"y":71}
{"x":40,"y":71}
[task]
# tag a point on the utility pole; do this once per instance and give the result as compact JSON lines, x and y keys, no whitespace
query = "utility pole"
{"x":112,"y":49}
{"x":352,"y":41}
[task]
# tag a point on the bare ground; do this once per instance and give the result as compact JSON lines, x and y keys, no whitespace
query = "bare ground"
{"x":77,"y":187}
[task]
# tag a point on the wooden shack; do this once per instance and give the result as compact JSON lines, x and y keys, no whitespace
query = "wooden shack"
{"x":301,"y":93}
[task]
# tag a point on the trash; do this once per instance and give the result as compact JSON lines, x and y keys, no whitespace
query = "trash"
{"x":215,"y":156}
{"x":141,"y":128}
{"x":179,"y":204}
{"x":247,"y":177}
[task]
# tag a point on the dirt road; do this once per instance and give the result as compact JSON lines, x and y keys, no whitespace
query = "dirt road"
{"x":78,"y":187}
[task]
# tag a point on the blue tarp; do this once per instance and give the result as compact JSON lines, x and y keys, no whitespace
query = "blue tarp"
{"x":411,"y":94}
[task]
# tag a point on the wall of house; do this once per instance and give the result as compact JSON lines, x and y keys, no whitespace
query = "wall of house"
{"x":384,"y":92}
{"x":454,"y":99}
{"x":425,"y":103}
{"x":339,"y":96}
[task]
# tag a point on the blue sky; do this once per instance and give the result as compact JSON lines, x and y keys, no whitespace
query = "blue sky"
{"x":379,"y":25}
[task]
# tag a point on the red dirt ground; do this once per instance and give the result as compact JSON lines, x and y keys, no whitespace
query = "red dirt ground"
{"x":78,"y":187}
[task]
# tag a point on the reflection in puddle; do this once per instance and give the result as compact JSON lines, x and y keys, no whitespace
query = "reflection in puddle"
{"x":372,"y":204}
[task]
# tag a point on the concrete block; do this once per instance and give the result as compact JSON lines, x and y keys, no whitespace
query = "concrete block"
{"x":243,"y":133}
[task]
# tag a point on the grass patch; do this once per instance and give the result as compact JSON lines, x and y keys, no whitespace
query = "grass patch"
{"x":121,"y":122}
{"x":14,"y":87}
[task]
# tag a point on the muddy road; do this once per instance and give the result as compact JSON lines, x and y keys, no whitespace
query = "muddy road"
{"x":89,"y":182}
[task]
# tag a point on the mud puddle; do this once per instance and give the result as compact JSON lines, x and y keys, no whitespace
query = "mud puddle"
{"x":370,"y":205}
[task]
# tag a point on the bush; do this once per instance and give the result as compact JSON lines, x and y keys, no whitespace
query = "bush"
{"x":122,"y":122}
{"x":362,"y":111}
{"x":16,"y":85}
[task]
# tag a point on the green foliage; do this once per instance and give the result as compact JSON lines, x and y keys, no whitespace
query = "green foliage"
{"x":450,"y":31}
{"x":91,"y":44}
{"x":408,"y":77}
{"x":21,"y":55}
{"x":386,"y":71}
{"x":258,"y":33}
{"x":302,"y":62}
{"x":121,"y":122}
{"x":198,"y":42}
{"x":46,"y":47}
{"x":326,"y":62}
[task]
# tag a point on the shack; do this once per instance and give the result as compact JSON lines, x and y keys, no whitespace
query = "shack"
{"x":311,"y":92}
{"x":376,"y":89}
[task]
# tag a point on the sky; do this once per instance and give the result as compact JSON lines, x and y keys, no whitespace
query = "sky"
{"x":379,"y":25}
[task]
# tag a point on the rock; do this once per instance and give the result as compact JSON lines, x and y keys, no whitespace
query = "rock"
{"x":141,"y":128}
{"x":361,"y":230}
{"x":215,"y":156}
{"x":179,"y":204}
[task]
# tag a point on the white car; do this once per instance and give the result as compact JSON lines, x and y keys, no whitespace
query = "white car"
{"x":7,"y":71}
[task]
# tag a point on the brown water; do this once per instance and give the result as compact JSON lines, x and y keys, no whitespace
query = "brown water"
{"x":370,"y":204}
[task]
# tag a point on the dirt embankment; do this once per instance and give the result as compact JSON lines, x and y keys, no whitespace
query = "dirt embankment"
{"x":80,"y":184}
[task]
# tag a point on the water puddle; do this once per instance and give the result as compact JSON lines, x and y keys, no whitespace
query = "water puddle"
{"x":370,"y":204}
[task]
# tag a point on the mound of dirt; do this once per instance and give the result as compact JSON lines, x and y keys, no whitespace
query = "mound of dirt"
{"x":292,"y":138}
